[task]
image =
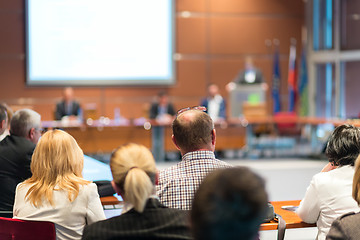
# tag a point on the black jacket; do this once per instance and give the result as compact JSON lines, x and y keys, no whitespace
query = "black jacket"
{"x":15,"y":159}
{"x":156,"y":222}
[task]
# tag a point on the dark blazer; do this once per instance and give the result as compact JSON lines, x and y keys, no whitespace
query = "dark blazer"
{"x":154,"y":110}
{"x":222,"y":110}
{"x":15,"y":159}
{"x":345,"y":227}
{"x":156,"y":222}
{"x":240,"y":79}
{"x":61,"y":111}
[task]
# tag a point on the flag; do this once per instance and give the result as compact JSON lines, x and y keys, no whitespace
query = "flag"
{"x":303,"y":86}
{"x":276,"y":82}
{"x":292,"y":83}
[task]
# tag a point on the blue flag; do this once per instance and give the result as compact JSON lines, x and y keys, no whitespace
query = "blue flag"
{"x":276,"y":82}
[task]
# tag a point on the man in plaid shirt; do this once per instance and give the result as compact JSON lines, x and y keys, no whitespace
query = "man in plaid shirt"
{"x":194,"y":135}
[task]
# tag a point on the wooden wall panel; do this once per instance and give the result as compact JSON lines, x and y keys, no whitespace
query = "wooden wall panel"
{"x":11,"y":5}
{"x":191,"y":5}
{"x":191,"y":36}
{"x":232,"y":35}
{"x":258,"y":7}
{"x":12,"y":26}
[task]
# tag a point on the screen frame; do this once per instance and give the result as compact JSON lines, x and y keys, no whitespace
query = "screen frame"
{"x":136,"y":82}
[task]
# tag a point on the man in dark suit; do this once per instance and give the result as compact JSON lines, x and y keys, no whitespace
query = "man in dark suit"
{"x":162,"y":107}
{"x":15,"y":155}
{"x":162,"y":111}
{"x":68,"y":106}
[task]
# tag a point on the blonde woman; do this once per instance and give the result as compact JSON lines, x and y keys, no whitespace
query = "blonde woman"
{"x":56,"y":191}
{"x":347,"y":226}
{"x":144,"y":217}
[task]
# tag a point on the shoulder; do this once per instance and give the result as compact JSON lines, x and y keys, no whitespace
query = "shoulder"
{"x":89,"y":191}
{"x":20,"y":144}
{"x":165,"y":173}
{"x":348,"y":224}
{"x":338,"y":173}
{"x":60,"y":103}
{"x":91,"y":187}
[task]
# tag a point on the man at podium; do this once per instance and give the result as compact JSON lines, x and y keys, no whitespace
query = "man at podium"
{"x":250,"y":75}
{"x":247,"y":91}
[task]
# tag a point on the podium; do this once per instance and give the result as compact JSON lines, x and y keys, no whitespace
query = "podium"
{"x":247,"y":99}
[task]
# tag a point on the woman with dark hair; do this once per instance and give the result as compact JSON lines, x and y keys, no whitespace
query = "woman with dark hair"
{"x":330,"y":192}
{"x":347,"y":226}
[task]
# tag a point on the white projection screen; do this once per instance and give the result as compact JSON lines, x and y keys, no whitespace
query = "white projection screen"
{"x":92,"y":42}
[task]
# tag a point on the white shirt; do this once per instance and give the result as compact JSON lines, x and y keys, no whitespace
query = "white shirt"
{"x":329,"y":196}
{"x":5,"y":133}
{"x":214,"y":107}
{"x":70,"y":218}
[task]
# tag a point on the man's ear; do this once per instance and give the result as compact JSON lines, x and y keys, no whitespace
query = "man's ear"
{"x":213,"y":137}
{"x":31,"y":133}
{"x":174,"y":141}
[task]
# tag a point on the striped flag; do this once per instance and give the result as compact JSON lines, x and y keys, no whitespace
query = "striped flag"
{"x":292,"y":82}
{"x":276,"y":82}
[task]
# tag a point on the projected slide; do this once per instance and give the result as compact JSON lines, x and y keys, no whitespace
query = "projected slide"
{"x":107,"y":42}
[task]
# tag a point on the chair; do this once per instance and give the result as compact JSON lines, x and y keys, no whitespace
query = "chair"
{"x":286,"y":124}
{"x":15,"y":229}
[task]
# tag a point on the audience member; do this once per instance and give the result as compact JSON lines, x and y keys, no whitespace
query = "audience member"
{"x":347,"y":226}
{"x":5,"y":127}
{"x":15,"y":155}
{"x":3,"y":122}
{"x":144,"y":217}
{"x":162,"y":109}
{"x":68,"y":107}
{"x":229,"y":204}
{"x":56,"y":192}
{"x":194,"y":135}
{"x":215,"y":104}
{"x":329,"y":194}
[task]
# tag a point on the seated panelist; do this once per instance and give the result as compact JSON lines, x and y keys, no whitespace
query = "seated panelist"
{"x":67,"y":107}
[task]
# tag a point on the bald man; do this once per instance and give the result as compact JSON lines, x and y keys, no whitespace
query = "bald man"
{"x":194,"y":135}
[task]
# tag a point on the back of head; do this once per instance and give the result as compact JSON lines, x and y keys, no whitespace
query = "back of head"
{"x":134,"y":171}
{"x":57,"y":162}
{"x":193,"y":130}
{"x":23,"y":120}
{"x":229,"y":204}
{"x":343,"y":146}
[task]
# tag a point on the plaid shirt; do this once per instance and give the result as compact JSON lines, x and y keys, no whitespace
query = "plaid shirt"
{"x":177,"y":184}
